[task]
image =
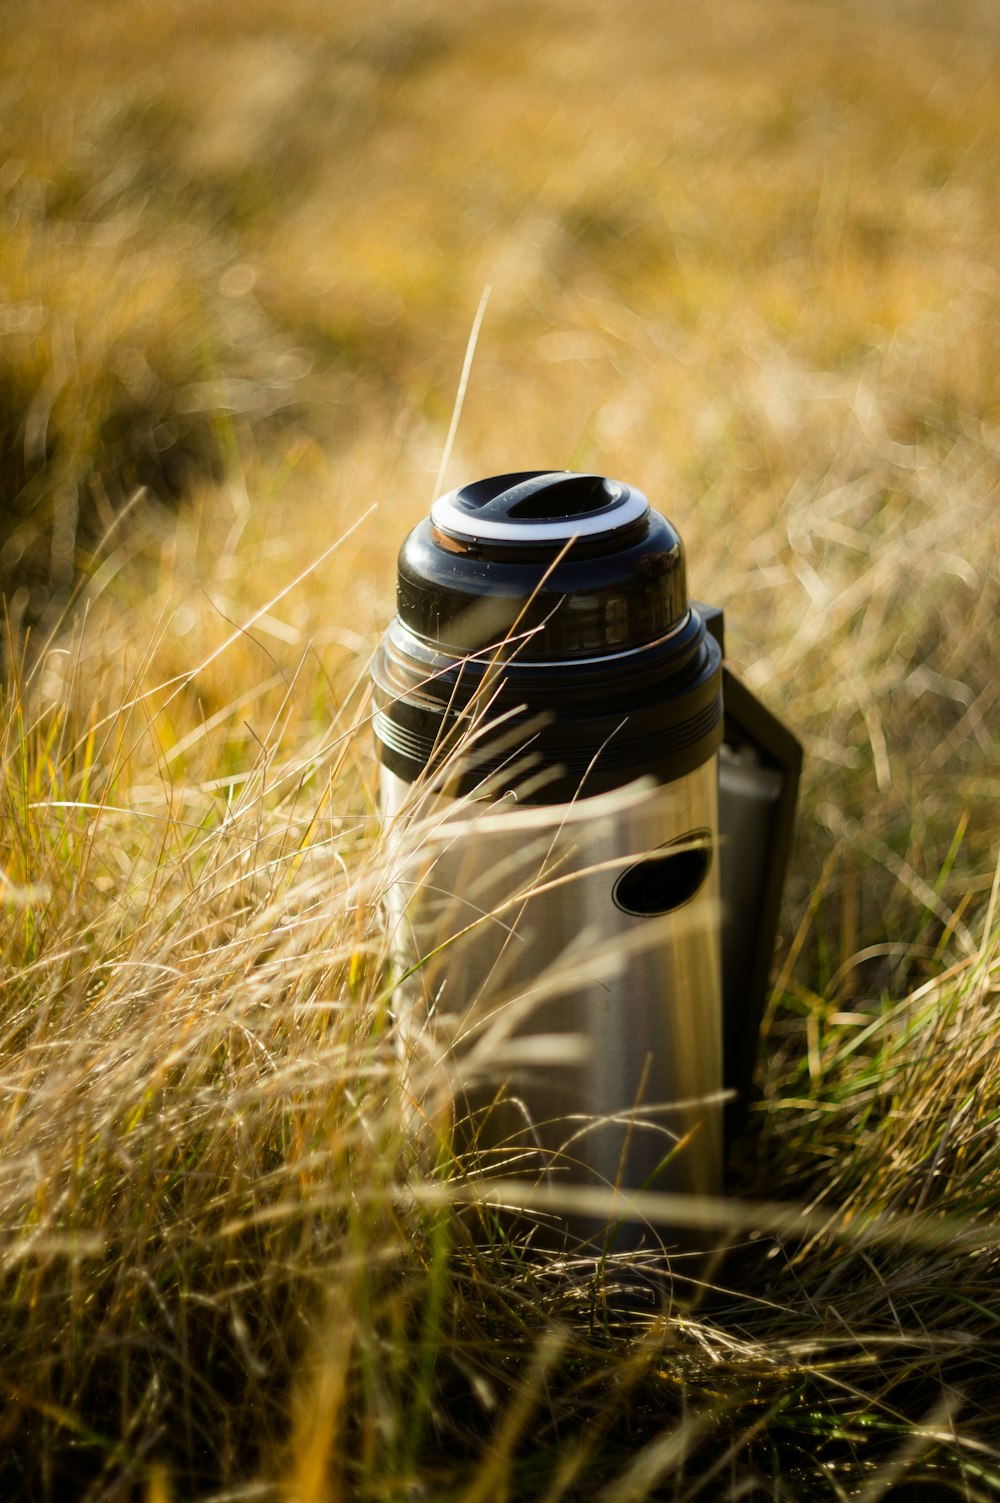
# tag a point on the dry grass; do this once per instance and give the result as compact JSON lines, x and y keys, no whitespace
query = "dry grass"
{"x":744,"y":256}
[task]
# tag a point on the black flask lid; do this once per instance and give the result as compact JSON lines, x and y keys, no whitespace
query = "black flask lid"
{"x":554,"y":602}
{"x":573,"y":566}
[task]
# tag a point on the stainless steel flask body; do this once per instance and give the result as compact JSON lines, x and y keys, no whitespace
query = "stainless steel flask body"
{"x":549,"y":711}
{"x":567,"y":976}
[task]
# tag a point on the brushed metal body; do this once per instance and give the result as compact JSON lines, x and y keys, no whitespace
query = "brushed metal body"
{"x":580,"y":1043}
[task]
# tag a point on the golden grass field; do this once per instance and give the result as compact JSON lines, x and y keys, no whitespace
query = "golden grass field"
{"x":742,"y":255}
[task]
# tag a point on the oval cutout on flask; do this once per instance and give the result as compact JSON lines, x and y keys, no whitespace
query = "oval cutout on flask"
{"x":667,"y":879}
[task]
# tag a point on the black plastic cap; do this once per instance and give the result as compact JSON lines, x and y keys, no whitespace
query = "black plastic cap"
{"x":543,"y":624}
{"x":573,"y":566}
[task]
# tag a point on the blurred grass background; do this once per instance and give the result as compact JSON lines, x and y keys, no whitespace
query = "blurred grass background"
{"x":743,"y":255}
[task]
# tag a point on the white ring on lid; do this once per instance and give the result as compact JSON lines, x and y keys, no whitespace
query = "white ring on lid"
{"x":466,"y":523}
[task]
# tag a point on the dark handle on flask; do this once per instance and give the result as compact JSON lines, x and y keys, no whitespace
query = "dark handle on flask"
{"x":760,"y":762}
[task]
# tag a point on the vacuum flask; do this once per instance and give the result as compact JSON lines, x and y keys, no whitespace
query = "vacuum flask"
{"x":554,"y":702}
